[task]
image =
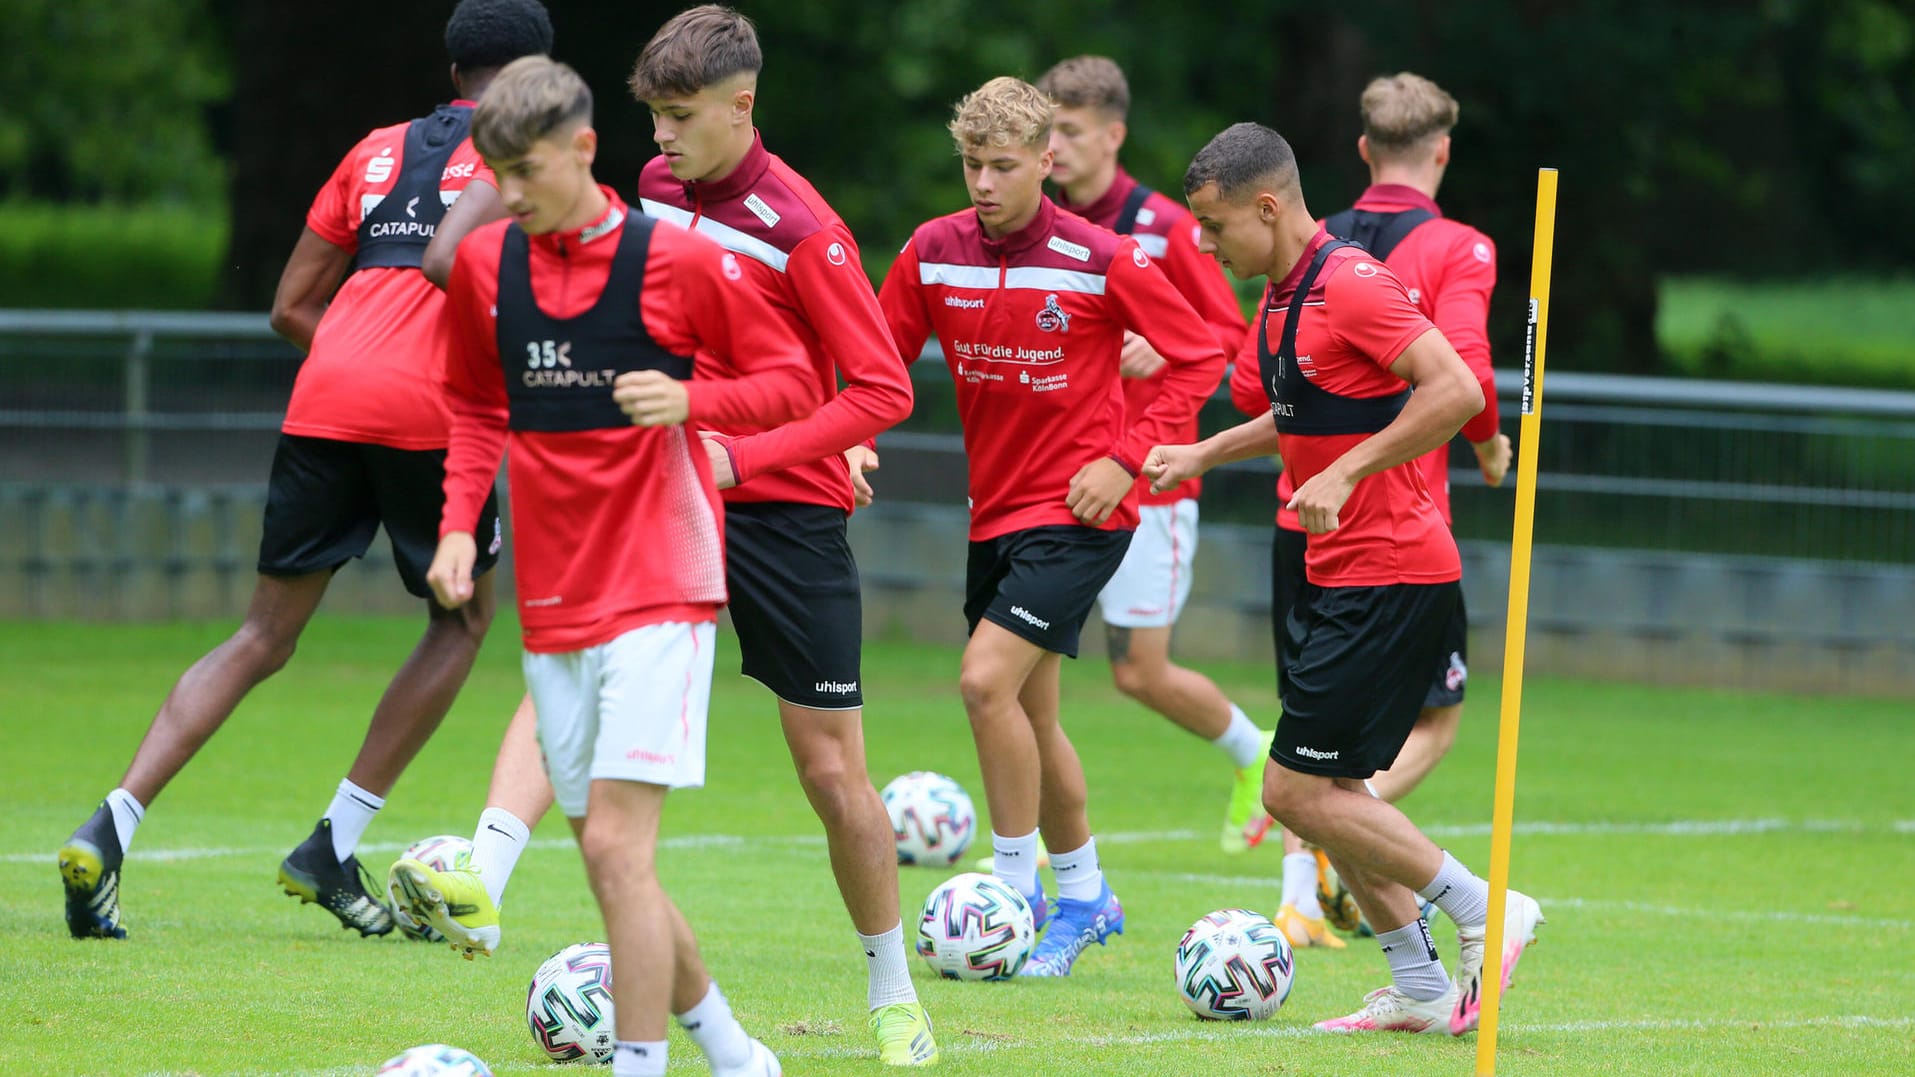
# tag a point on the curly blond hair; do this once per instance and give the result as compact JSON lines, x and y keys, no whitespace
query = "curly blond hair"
{"x":1403,"y":113}
{"x":1005,"y":111}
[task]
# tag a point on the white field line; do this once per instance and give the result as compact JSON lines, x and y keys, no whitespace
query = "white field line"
{"x":1197,"y":1032}
{"x":1681,"y":828}
{"x":1550,"y":904}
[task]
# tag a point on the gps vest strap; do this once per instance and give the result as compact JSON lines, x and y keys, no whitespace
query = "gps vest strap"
{"x":1378,"y":233}
{"x":1127,"y":216}
{"x":1299,"y":404}
{"x":394,"y":234}
{"x":559,"y":371}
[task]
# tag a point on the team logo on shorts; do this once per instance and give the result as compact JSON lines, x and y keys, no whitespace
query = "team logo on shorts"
{"x":1457,"y":675}
{"x":1053,"y":318}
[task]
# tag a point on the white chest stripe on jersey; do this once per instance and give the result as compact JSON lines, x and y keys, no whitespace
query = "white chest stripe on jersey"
{"x":1155,"y":246}
{"x":1035,"y":278}
{"x":725,"y":235}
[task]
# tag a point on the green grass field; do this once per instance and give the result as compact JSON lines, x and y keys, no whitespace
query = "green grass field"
{"x":1726,"y":877}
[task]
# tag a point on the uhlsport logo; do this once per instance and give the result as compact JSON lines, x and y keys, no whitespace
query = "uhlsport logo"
{"x":1319,"y":755}
{"x":835,"y":688}
{"x":1053,"y":318}
{"x":1029,"y":618}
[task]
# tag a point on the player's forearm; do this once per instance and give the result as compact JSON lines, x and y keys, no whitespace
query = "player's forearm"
{"x":297,"y":323}
{"x":474,"y":447}
{"x":1247,"y":440}
{"x":1485,"y":424}
{"x":1433,"y":415}
{"x":1189,"y":379}
{"x":855,"y":416}
{"x":765,"y":397}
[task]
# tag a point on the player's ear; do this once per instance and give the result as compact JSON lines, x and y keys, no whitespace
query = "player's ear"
{"x":1363,"y":148}
{"x":585,"y":144}
{"x":1118,"y":131}
{"x":1442,"y":156}
{"x":741,"y":103}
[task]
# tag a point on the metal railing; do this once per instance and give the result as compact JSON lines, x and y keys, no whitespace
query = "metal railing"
{"x":1706,"y":466}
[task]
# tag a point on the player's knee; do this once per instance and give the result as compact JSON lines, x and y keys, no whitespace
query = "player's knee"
{"x":1135,"y":679}
{"x":827,"y":781}
{"x":982,"y":690}
{"x":608,"y":851}
{"x":265,"y":648}
{"x":1288,"y":800}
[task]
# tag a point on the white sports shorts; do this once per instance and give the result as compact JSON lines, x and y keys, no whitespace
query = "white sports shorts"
{"x":629,"y":710}
{"x":1152,"y":585}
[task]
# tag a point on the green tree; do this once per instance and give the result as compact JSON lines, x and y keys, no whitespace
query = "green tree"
{"x":106,"y":100}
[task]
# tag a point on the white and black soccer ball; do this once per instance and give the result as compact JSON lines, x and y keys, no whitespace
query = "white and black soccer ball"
{"x":435,"y":1060}
{"x":441,"y":852}
{"x":1234,"y":965}
{"x":932,"y":818}
{"x":569,"y":1006}
{"x":975,"y":927}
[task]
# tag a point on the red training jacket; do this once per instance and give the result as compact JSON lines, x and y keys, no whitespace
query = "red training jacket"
{"x":618,"y":528}
{"x":803,"y":264}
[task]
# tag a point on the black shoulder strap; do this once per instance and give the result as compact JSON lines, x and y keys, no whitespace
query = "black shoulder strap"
{"x":1287,"y":347}
{"x":1127,"y":217}
{"x":1379,"y":233}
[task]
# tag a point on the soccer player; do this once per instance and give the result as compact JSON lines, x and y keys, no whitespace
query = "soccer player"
{"x":1031,"y":305}
{"x":363,"y":446}
{"x":1141,"y":602}
{"x":1340,"y":347}
{"x":572,"y":331}
{"x":795,"y":601}
{"x":1449,"y":270}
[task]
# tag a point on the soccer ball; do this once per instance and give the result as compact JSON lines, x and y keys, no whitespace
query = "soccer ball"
{"x":1234,"y":965}
{"x":435,"y":1060}
{"x":569,"y":1006}
{"x":932,"y":818}
{"x":975,"y":927}
{"x":442,"y":852}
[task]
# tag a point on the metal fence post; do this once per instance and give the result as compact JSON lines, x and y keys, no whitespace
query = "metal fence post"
{"x":137,"y":377}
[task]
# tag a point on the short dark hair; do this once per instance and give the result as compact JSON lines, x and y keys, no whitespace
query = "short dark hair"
{"x":696,"y":48}
{"x":484,"y":34}
{"x":533,"y":97}
{"x":1244,"y":156}
{"x":1088,"y":82}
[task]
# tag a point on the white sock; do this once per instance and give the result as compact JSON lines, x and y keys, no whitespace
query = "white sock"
{"x":1414,"y":966}
{"x":496,"y":846}
{"x":1078,"y":876}
{"x":1015,"y":861}
{"x":351,"y":813}
{"x":633,"y":1058}
{"x":712,"y":1027}
{"x":890,"y":977}
{"x":127,"y":813}
{"x":1462,"y":896}
{"x":1243,"y":741}
{"x":1300,"y":883}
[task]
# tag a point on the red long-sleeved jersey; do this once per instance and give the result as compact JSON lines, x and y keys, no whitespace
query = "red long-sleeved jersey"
{"x":619,"y":527}
{"x":1168,"y":233}
{"x":1032,"y":325}
{"x":800,"y":258}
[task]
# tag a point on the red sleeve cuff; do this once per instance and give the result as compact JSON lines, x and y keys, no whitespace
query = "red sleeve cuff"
{"x":1121,"y":462}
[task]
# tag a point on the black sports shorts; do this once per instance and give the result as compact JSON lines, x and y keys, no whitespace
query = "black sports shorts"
{"x":326,"y":499}
{"x":1287,"y":549}
{"x":795,"y":601}
{"x":1358,"y":662}
{"x":1040,"y":583}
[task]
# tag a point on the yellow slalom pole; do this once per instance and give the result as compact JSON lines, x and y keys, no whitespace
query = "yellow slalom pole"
{"x":1518,"y":621}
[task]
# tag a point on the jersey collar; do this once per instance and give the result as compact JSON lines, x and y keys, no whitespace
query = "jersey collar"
{"x":1024,"y":238}
{"x":739,"y":181}
{"x":1282,"y":289}
{"x":607,"y":224}
{"x":1102,"y":210}
{"x":1396,"y":195}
